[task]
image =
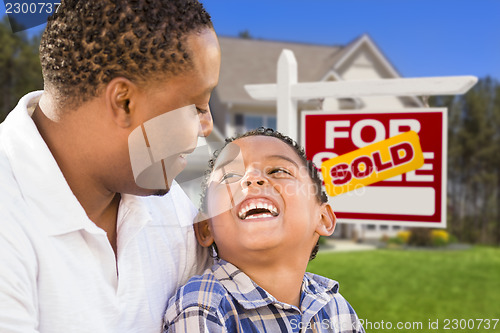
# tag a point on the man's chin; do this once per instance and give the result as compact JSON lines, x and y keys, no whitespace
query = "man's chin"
{"x":146,"y":193}
{"x":160,"y":193}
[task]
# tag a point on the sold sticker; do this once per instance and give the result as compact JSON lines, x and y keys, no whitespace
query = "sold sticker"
{"x":376,"y":162}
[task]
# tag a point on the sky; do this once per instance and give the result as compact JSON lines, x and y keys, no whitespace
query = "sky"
{"x":419,"y":37}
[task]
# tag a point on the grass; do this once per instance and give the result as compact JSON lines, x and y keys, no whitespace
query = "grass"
{"x":415,"y":286}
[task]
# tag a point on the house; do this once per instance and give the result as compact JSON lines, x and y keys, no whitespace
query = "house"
{"x":252,"y":61}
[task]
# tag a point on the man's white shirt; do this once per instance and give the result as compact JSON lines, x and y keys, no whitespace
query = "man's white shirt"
{"x":58,"y":272}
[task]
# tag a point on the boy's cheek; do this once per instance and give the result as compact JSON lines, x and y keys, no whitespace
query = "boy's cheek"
{"x":223,"y":197}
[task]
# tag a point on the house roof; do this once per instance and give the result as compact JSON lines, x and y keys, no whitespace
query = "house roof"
{"x":254,"y":61}
{"x":250,"y":61}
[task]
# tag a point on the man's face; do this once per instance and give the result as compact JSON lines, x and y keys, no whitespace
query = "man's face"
{"x":261,"y":200}
{"x":172,"y":114}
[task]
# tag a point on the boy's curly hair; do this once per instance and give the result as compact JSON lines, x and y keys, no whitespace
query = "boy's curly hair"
{"x":311,"y":169}
{"x":88,"y":43}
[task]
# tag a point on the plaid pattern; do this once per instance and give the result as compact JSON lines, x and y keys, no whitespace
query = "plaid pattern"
{"x":225,"y":299}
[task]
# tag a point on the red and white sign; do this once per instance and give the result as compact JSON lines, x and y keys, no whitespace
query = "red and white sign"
{"x":416,"y":198}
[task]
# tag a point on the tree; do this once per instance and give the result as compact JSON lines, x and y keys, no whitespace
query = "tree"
{"x":19,"y":67}
{"x":474,"y":163}
{"x":245,"y":34}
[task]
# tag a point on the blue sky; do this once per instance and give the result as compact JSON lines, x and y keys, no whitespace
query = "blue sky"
{"x":419,"y":37}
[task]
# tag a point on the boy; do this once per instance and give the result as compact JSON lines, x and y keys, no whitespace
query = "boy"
{"x":265,"y":212}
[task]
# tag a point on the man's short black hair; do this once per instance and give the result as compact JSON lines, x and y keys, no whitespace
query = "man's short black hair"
{"x":262,"y":131}
{"x":88,"y":43}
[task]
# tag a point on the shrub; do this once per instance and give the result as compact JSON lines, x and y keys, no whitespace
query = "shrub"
{"x":384,"y":238}
{"x":395,"y":240}
{"x":440,"y":237}
{"x":404,"y":236}
{"x":420,"y":237}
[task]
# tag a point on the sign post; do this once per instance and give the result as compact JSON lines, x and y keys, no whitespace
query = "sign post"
{"x":287,"y":91}
{"x":415,"y":198}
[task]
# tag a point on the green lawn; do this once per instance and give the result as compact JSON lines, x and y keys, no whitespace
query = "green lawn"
{"x":415,"y":286}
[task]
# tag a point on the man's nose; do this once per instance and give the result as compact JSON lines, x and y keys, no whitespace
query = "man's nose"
{"x":206,"y":123}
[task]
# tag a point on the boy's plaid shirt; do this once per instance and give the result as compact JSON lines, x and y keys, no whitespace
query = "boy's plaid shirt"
{"x":225,"y":299}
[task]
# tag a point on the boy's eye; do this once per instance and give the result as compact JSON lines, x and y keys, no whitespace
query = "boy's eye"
{"x":230,"y":177}
{"x":280,"y":172}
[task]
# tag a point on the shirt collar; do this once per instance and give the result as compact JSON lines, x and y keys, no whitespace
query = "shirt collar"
{"x":40,"y":180}
{"x":316,"y":290}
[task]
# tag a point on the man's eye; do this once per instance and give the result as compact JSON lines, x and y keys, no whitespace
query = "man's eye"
{"x":230,"y":177}
{"x":202,"y":111}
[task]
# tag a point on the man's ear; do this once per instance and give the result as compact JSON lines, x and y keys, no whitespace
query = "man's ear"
{"x":119,"y":93}
{"x":202,"y":231}
{"x":327,"y":222}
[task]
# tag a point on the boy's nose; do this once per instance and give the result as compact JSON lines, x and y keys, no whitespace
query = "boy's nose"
{"x":260,"y":182}
{"x":254,"y":177}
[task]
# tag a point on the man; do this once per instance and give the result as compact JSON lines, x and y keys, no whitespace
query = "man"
{"x":83,"y":247}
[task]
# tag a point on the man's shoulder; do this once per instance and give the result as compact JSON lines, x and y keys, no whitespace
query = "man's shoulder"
{"x":13,"y":210}
{"x":10,"y":193}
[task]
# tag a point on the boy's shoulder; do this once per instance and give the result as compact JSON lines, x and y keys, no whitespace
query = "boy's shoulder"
{"x":216,"y":291}
{"x":202,"y":291}
{"x":203,"y":296}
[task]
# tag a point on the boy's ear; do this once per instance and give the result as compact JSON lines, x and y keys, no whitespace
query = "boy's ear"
{"x":119,"y":93}
{"x":327,"y":222}
{"x":202,"y":231}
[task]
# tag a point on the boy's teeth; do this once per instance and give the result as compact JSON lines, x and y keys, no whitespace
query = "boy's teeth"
{"x":258,"y":216}
{"x":271,"y":210}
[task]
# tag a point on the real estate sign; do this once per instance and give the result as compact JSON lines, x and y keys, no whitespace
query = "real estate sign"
{"x":413,"y":198}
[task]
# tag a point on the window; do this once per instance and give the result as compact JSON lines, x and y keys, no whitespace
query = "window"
{"x":271,"y":122}
{"x":246,"y":122}
{"x":239,"y":120}
{"x":252,"y":122}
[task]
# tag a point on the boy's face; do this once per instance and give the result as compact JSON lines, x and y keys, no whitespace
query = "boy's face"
{"x":261,"y":199}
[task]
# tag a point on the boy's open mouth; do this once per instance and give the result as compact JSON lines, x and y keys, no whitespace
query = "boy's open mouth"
{"x":257,"y":209}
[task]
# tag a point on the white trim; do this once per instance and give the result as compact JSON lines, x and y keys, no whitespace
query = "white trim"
{"x":421,"y":86}
{"x":332,"y":73}
{"x":365,"y":39}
